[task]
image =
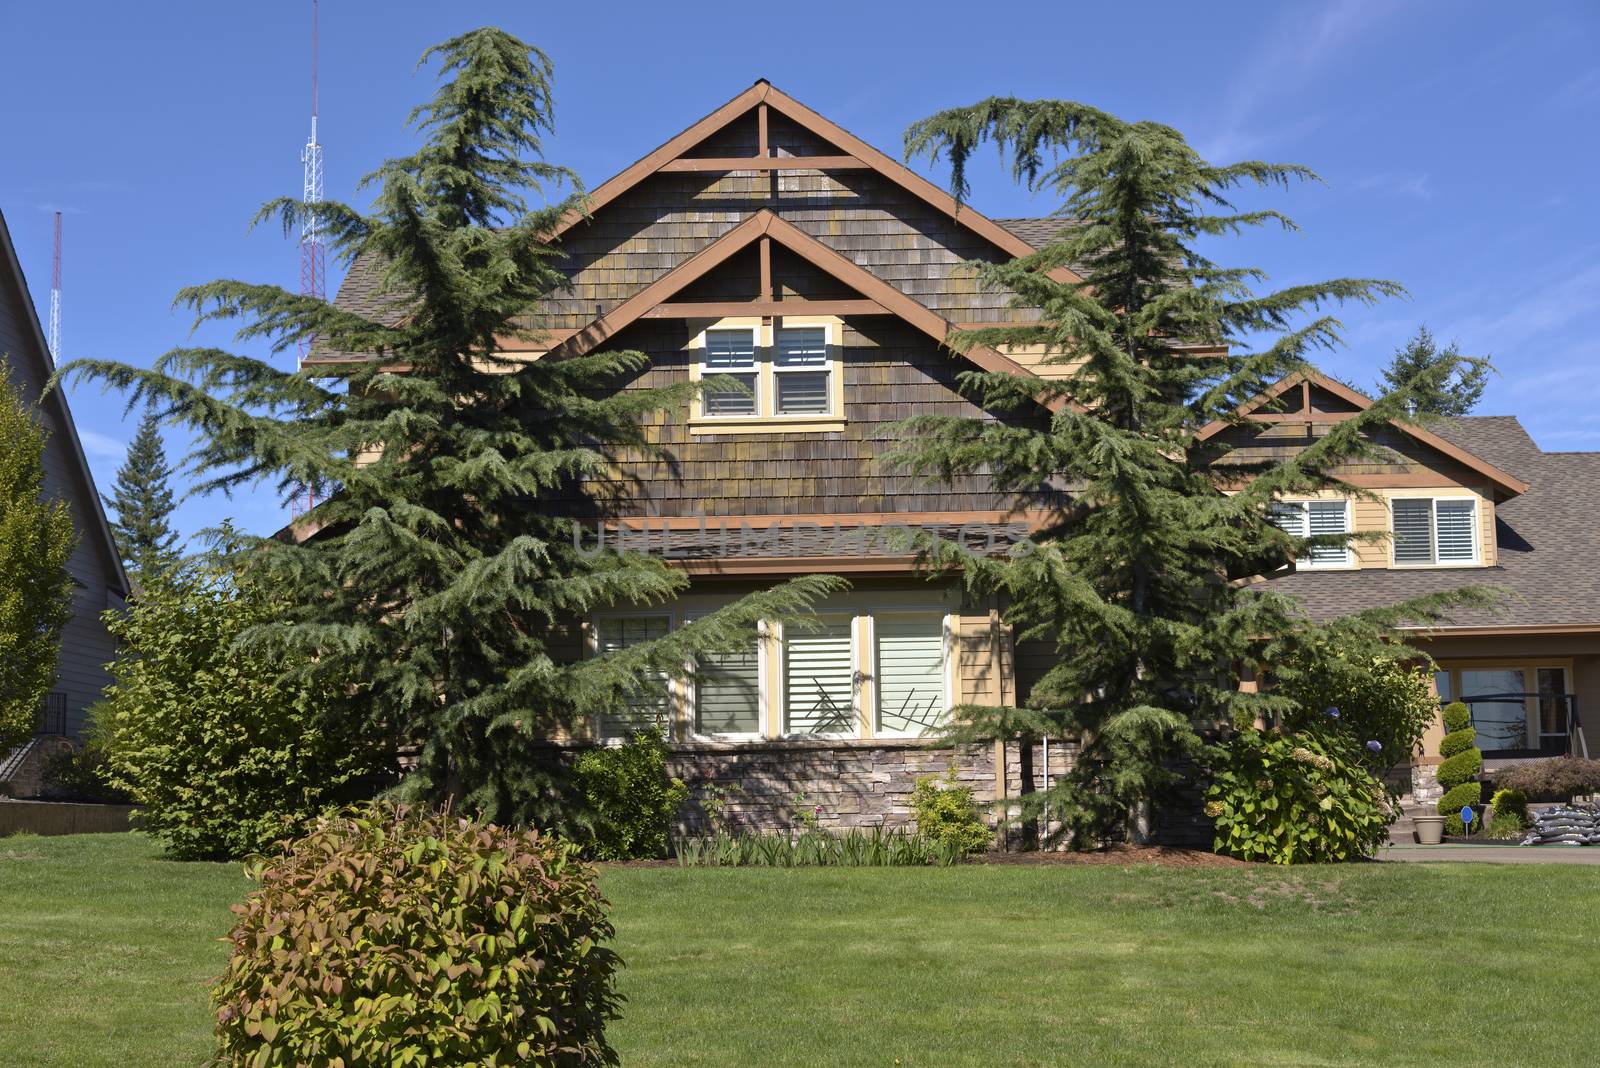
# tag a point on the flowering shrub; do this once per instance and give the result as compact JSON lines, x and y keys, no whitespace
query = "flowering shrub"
{"x":394,"y":936}
{"x":1295,"y":799}
{"x":946,"y":812}
{"x":1368,"y":699}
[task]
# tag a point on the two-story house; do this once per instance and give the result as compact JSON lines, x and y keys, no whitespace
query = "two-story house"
{"x":766,"y":243}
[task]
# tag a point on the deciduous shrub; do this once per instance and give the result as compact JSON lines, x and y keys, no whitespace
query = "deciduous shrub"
{"x":391,"y":936}
{"x":946,"y":811}
{"x":1295,"y":799}
{"x":1509,"y":814}
{"x":1458,"y":774}
{"x":224,"y":754}
{"x":631,"y":798}
{"x":1368,"y":696}
{"x":1558,"y":779}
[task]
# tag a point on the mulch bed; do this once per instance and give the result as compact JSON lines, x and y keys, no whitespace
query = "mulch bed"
{"x":1166,"y":856}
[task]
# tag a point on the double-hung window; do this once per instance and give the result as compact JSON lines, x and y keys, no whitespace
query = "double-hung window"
{"x":1309,"y":519}
{"x":732,"y":354}
{"x":910,"y":672}
{"x":800,"y":369}
{"x":1435,"y":530}
{"x":819,"y":679}
{"x":647,"y":708}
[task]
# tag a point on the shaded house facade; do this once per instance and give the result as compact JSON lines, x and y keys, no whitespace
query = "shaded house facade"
{"x":766,"y":243}
{"x":99,"y":582}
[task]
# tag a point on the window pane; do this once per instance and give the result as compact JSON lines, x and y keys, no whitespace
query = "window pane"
{"x":1441,"y":683}
{"x":721,"y":402}
{"x":727,"y":693}
{"x":1457,"y":524}
{"x":819,"y":681}
{"x":803,"y":347}
{"x":1289,"y":518}
{"x":1553,"y":710}
{"x":802,"y":392}
{"x":1328,"y":517}
{"x":730,"y":350}
{"x":648,"y":707}
{"x":910,"y":673}
{"x":1413,"y":531}
{"x":1497,"y":698}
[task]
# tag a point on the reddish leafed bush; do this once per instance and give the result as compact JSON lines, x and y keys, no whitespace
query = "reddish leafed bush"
{"x":1559,"y":779}
{"x":398,"y":936}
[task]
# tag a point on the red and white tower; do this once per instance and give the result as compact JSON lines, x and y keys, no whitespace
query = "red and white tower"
{"x":55,"y":296}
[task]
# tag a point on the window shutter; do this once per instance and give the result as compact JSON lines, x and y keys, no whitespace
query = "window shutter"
{"x":1289,"y":518}
{"x":803,"y":391}
{"x":1413,"y":531}
{"x":726,"y":352}
{"x":727,"y":693}
{"x":646,"y":709}
{"x":910,"y":673}
{"x":819,"y":681}
{"x":1328,"y":517}
{"x":1457,"y":528}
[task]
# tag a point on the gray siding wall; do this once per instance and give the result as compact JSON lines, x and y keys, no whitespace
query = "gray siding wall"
{"x":86,"y":644}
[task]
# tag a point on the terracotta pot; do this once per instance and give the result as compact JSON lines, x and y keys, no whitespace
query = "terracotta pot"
{"x":1430,"y":829}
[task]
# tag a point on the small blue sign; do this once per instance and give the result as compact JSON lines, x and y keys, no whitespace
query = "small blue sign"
{"x":1466,"y":818}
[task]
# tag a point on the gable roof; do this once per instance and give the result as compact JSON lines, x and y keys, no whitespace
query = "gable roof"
{"x":36,"y":351}
{"x":764,"y":94}
{"x":1543,"y":539}
{"x":1508,"y":483}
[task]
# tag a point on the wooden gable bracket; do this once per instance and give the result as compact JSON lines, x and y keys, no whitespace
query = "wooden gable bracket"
{"x":877,"y":296}
{"x":855,"y":154}
{"x":1508,"y":484}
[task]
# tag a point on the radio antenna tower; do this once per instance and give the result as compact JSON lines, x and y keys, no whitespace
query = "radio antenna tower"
{"x":55,"y":296}
{"x":313,"y":263}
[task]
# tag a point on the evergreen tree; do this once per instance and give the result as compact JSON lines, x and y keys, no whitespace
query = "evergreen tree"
{"x":144,"y":504}
{"x":1141,"y":582}
{"x":442,"y":571}
{"x":1456,"y":394}
{"x":36,"y":539}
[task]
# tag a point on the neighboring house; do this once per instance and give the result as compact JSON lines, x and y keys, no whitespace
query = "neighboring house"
{"x":766,"y":243}
{"x":99,"y":581}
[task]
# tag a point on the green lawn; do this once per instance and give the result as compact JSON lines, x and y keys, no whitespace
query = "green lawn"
{"x":106,"y":950}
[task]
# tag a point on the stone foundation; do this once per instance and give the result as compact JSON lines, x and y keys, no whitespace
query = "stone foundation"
{"x":1425,"y":783}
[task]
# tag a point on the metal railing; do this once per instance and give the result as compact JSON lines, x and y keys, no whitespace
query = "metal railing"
{"x":1501,"y":723}
{"x":52,"y":718}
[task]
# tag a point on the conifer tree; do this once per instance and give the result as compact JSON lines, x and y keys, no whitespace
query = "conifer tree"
{"x":444,"y":571}
{"x":36,"y":539}
{"x":143,"y":502}
{"x":1141,"y":583}
{"x":1456,"y":394}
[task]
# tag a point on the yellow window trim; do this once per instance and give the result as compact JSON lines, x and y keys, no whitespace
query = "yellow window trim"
{"x":767,"y":420}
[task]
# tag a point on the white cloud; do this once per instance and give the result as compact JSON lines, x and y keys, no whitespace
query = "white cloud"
{"x":1405,"y":185}
{"x":101,"y":445}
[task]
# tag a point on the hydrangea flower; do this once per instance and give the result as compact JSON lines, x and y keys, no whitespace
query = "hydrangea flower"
{"x":1332,"y":712}
{"x":1375,"y":745}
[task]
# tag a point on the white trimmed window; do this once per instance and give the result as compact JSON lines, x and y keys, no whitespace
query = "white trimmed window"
{"x":1307,"y":519}
{"x":649,"y":708}
{"x":801,"y":367}
{"x":727,"y":693}
{"x":910,"y":654}
{"x":732,"y":354}
{"x":1435,"y":530}
{"x":819,"y":679}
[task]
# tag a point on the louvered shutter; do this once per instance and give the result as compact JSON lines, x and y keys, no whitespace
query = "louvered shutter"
{"x":727,"y":693}
{"x":1289,"y":518}
{"x":1457,"y":523}
{"x":648,"y":708}
{"x":1328,"y":517}
{"x":819,"y":681}
{"x":731,"y":353}
{"x":1413,"y":531}
{"x":911,"y":695}
{"x":801,"y":389}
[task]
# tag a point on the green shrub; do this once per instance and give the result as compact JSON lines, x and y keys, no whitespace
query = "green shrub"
{"x":946,"y":812}
{"x":84,"y":775}
{"x":856,"y":848}
{"x":1295,"y":799}
{"x":1509,"y":814}
{"x":1364,"y":695}
{"x":391,"y":936}
{"x":631,"y":799}
{"x":224,"y":754}
{"x":1558,"y":779}
{"x":1458,"y":772}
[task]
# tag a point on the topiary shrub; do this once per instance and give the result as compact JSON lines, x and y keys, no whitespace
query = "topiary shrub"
{"x":946,"y":812}
{"x":1295,"y":799}
{"x":1558,"y":779}
{"x":1458,"y":774}
{"x":630,"y":797}
{"x":398,"y":936}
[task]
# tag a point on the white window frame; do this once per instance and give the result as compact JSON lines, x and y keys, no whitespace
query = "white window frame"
{"x":674,"y":688}
{"x":946,"y":652}
{"x":781,"y":689}
{"x":1304,"y":507}
{"x":1433,"y":519}
{"x":755,"y":370}
{"x":827,"y":367}
{"x":691,"y":696}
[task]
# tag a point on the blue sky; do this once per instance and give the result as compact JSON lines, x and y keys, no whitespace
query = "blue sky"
{"x":1458,"y":143}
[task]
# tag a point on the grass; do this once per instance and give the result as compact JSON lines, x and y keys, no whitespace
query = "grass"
{"x":106,"y":951}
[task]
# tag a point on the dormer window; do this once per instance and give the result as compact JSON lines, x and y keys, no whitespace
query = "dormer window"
{"x":1435,"y":530}
{"x":1309,"y":519}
